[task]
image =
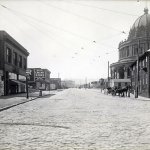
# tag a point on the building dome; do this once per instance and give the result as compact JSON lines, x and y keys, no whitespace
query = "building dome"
{"x":141,"y":27}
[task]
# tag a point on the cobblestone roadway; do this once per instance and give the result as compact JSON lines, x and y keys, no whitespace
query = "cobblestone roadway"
{"x":77,"y":119}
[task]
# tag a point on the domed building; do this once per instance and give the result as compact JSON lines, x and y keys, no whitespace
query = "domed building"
{"x":137,"y":43}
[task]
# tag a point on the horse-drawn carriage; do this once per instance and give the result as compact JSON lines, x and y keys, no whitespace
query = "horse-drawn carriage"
{"x":120,"y":87}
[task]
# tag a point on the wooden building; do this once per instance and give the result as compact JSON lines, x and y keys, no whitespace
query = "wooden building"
{"x":140,"y":77}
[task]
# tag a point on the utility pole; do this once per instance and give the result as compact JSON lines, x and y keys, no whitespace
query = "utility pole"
{"x":27,"y":90}
{"x":137,"y":72}
{"x":108,"y":72}
{"x":85,"y":82}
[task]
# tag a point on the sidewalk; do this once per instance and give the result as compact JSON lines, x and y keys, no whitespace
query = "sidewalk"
{"x":132,"y":96}
{"x":7,"y":102}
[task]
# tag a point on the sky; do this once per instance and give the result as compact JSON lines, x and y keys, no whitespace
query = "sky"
{"x":74,"y":39}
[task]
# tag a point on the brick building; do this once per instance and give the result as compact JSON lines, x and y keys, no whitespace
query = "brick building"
{"x":13,"y":64}
{"x":39,"y":78}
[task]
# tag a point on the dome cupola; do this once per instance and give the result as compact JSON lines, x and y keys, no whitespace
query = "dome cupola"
{"x":141,"y":27}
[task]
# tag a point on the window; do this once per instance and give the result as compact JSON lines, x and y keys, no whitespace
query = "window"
{"x":146,"y":79}
{"x":143,"y":63}
{"x":25,"y":63}
{"x":127,"y":51}
{"x":146,"y":61}
{"x":20,"y":61}
{"x":15,"y":58}
{"x":8,"y":55}
{"x":22,"y":78}
{"x":134,"y":50}
{"x":12,"y":76}
{"x":142,"y":47}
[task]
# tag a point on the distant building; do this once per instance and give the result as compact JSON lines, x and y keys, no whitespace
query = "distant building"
{"x":13,"y":65}
{"x":67,"y":84}
{"x":55,"y":83}
{"x":95,"y":84}
{"x":39,"y":78}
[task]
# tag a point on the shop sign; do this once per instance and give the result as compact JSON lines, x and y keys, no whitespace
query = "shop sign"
{"x":30,"y":74}
{"x":39,"y":73}
{"x":28,"y":71}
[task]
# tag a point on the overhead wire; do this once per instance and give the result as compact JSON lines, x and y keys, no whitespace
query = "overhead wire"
{"x":104,"y":9}
{"x":45,"y":33}
{"x":18,"y":28}
{"x":61,"y":29}
{"x":83,"y":17}
{"x":35,"y":19}
{"x":33,"y":25}
{"x":42,"y":22}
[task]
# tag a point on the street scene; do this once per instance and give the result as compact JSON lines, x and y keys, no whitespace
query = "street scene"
{"x":77,"y":119}
{"x":74,"y":75}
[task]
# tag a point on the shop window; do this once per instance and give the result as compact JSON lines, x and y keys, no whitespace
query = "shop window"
{"x":22,"y":78}
{"x":8,"y":55}
{"x":12,"y":76}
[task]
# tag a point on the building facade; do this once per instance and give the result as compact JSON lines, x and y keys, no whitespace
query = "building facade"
{"x":67,"y":84}
{"x":39,"y":78}
{"x":13,"y":65}
{"x":55,"y":83}
{"x":140,"y":74}
{"x":134,"y":46}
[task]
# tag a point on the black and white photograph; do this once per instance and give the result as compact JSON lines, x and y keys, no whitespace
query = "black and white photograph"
{"x":74,"y":74}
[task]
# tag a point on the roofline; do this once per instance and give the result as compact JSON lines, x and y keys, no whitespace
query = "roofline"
{"x":14,"y":42}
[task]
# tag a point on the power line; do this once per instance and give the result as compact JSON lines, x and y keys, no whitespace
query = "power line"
{"x":33,"y":25}
{"x":83,"y":17}
{"x":100,"y":8}
{"x":45,"y":23}
{"x":37,"y":28}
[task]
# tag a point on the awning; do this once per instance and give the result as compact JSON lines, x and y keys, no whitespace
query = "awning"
{"x":16,"y":82}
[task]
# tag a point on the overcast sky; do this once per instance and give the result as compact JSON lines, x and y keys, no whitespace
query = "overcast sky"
{"x":72,"y":38}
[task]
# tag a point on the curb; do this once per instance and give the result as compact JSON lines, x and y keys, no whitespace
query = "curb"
{"x":19,"y":103}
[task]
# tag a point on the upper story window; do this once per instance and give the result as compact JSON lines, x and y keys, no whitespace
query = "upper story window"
{"x":20,"y":61}
{"x":121,"y":53}
{"x":25,"y":63}
{"x":146,"y":61}
{"x":127,"y":51}
{"x":15,"y":61}
{"x":134,"y":50}
{"x":142,"y":48}
{"x":8,"y":55}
